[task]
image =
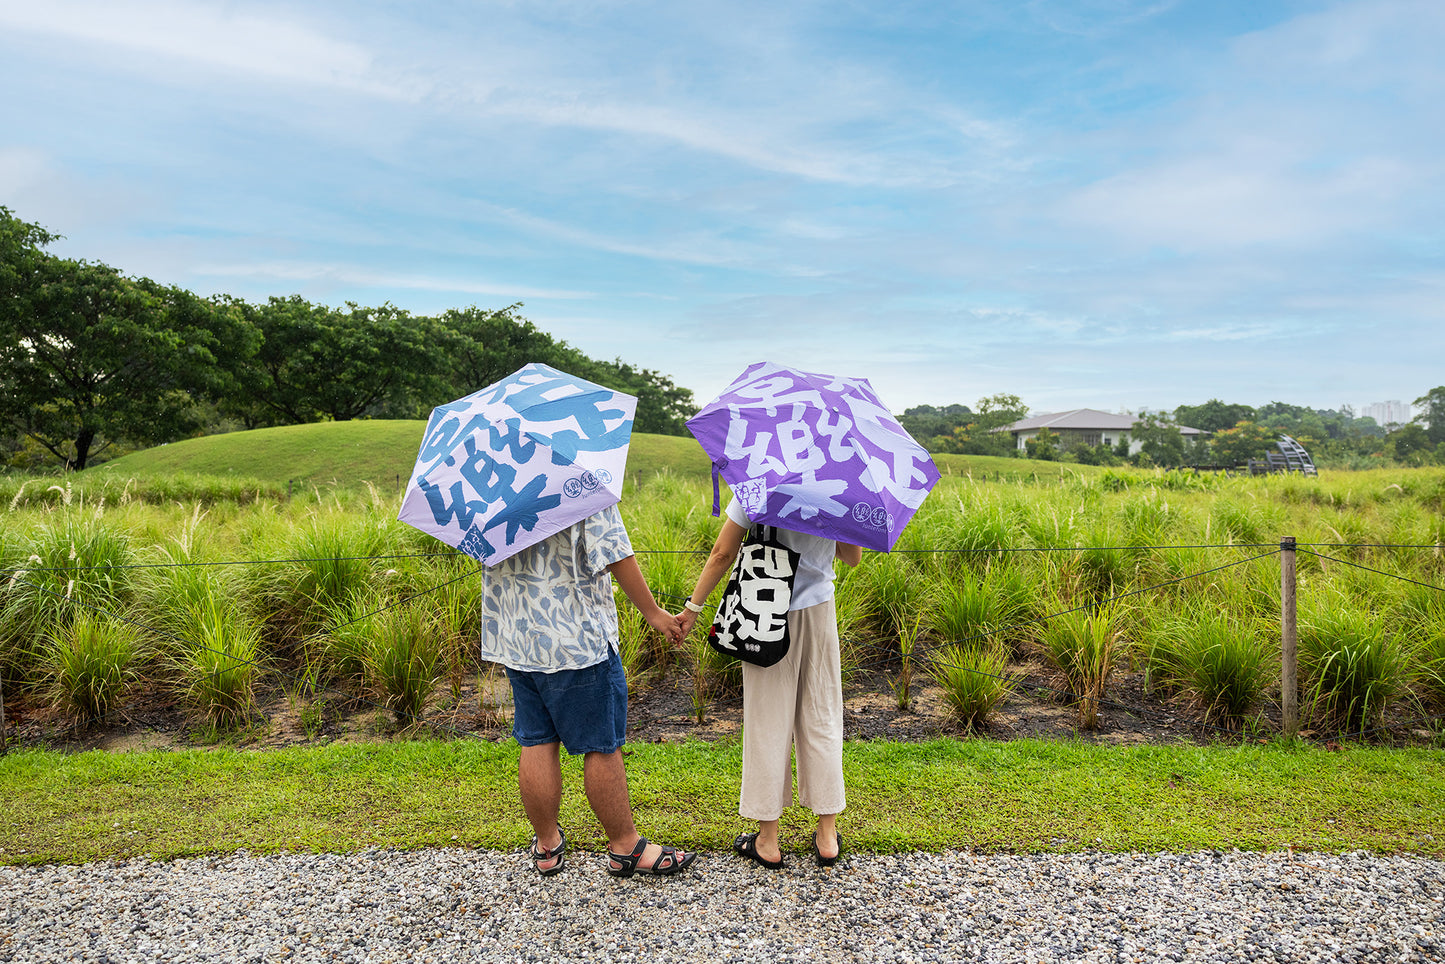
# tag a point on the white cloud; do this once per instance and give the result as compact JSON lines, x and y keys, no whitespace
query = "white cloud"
{"x":356,"y":275}
{"x":213,"y":36}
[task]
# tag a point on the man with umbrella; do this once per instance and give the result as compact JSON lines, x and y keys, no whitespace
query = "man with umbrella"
{"x":524,"y":476}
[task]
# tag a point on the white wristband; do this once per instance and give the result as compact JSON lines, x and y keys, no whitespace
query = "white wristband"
{"x":692,"y":607}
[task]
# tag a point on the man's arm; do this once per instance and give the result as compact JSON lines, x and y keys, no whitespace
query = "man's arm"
{"x":634,"y":585}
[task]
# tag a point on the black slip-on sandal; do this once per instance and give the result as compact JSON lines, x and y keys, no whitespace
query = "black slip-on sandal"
{"x":747,"y":846}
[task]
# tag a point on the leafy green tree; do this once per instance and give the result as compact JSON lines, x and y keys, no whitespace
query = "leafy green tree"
{"x":1161,"y":439}
{"x":1410,"y":444}
{"x":1246,"y":440}
{"x":1433,"y":416}
{"x":662,"y":407}
{"x":89,"y":357}
{"x":924,"y":422}
{"x":486,"y":346}
{"x":1213,"y":416}
{"x":1044,"y":445}
{"x":318,"y":363}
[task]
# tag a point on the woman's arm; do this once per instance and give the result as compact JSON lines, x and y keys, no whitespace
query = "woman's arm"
{"x":719,"y":560}
{"x":849,"y":553}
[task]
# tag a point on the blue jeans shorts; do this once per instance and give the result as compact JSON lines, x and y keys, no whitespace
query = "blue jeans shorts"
{"x":584,"y":709}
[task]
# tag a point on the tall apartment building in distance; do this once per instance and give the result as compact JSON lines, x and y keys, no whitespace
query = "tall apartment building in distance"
{"x":1388,"y":414}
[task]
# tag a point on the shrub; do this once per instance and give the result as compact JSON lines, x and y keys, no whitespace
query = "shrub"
{"x":1351,"y":666}
{"x":1084,"y":647}
{"x":89,"y":664}
{"x":403,"y":662}
{"x":974,"y":679}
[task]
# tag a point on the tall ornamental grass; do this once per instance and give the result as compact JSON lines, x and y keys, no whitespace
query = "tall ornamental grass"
{"x":218,"y":667}
{"x":1084,"y":647}
{"x":323,"y":564}
{"x":89,"y":662}
{"x":404,"y":663}
{"x":1431,"y":660}
{"x":72,"y":565}
{"x":1220,"y":662}
{"x":997,"y":602}
{"x":1352,"y":666}
{"x":974,"y":680}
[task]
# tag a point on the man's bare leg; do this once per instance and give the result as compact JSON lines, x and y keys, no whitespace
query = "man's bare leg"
{"x":539,"y":779}
{"x":605,"y":779}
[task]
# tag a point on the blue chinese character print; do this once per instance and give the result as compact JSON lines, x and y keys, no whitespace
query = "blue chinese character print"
{"x":524,"y":509}
{"x":461,"y":508}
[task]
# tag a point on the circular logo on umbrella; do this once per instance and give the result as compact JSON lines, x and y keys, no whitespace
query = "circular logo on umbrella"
{"x":586,"y":482}
{"x":874,"y":515}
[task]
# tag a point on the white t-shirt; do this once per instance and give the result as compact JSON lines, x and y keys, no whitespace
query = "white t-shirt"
{"x":813,"y":583}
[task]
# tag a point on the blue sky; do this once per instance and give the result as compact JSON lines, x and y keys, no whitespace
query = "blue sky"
{"x":1088,"y":203}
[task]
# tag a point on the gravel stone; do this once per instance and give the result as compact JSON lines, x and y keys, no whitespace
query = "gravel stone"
{"x":473,"y":905}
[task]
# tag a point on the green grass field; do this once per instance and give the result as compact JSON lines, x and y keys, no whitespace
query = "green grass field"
{"x":1024,"y":538}
{"x":384,"y":452}
{"x":1019,"y":796}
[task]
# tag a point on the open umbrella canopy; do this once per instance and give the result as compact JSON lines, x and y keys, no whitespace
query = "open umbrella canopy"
{"x":814,"y":453}
{"x":509,"y":465}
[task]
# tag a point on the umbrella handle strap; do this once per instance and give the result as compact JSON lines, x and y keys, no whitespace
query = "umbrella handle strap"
{"x":716,"y":493}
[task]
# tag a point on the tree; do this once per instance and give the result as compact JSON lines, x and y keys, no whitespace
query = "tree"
{"x":1044,"y":445}
{"x":1410,"y":444}
{"x":1161,"y":439}
{"x":487,"y":346}
{"x":924,"y":422}
{"x":1212,"y":416}
{"x":90,"y":357}
{"x":662,"y":407}
{"x":979,"y":437}
{"x":1245,"y":441}
{"x":1432,"y":419}
{"x":320,"y":363}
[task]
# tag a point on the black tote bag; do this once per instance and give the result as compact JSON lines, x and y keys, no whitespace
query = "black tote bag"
{"x":752,"y":619}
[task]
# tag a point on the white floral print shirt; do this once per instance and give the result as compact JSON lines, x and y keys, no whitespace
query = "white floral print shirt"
{"x":550,"y":607}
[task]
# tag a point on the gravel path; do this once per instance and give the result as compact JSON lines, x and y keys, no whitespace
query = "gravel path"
{"x":460,"y":905}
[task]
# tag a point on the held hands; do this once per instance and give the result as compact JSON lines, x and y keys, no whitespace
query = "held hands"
{"x":667,"y":624}
{"x":687,"y":619}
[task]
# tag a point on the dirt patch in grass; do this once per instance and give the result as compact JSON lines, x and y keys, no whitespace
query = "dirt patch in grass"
{"x":662,"y":709}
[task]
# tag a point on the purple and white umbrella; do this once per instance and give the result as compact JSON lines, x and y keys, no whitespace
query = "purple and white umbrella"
{"x":816,"y":454}
{"x":510,"y":465}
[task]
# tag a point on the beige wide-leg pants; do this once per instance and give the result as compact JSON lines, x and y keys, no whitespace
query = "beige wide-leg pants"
{"x":796,"y":701}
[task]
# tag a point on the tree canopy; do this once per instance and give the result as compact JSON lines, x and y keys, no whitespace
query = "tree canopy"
{"x":90,"y":358}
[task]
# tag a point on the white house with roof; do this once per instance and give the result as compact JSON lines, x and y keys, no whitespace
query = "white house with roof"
{"x":1084,"y":426}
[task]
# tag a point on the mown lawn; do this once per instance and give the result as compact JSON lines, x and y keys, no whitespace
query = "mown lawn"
{"x":1017,"y":796}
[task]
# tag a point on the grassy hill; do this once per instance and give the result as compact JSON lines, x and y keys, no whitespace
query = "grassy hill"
{"x":383,"y":452}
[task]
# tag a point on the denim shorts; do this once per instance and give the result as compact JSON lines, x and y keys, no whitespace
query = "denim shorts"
{"x":584,"y":709}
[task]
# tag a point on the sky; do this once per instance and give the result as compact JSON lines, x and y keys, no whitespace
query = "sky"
{"x":1111,"y":204}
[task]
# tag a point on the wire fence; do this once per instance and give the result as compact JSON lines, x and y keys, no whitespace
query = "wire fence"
{"x":303,"y":680}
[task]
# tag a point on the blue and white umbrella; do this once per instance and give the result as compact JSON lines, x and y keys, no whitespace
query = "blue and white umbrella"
{"x":508,"y":466}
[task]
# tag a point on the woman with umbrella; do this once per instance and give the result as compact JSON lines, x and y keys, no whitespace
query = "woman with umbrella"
{"x":796,"y":702}
{"x":820,"y":458}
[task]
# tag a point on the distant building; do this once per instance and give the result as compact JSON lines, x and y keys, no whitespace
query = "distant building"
{"x":1085,"y":426}
{"x":1391,"y":414}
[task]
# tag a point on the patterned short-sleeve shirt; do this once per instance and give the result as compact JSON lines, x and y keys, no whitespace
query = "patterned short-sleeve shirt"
{"x":550,"y":607}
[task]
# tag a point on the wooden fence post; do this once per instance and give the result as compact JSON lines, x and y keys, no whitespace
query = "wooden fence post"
{"x":1289,"y":639}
